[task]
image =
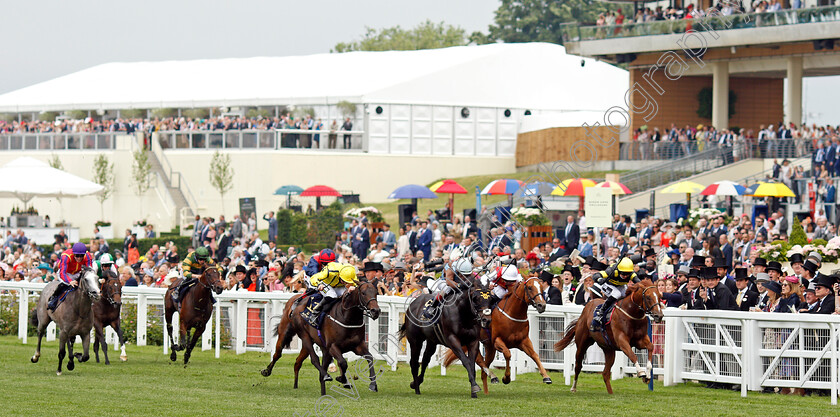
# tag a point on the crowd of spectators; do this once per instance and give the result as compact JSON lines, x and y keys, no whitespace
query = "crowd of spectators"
{"x":725,"y":8}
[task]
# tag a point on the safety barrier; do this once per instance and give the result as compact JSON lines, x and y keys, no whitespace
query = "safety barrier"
{"x":753,"y":350}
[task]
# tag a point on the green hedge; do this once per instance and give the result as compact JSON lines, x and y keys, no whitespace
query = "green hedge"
{"x":317,"y":230}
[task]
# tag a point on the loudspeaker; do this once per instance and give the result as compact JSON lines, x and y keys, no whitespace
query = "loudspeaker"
{"x":350,"y":198}
{"x":404,"y":211}
{"x":471,"y":213}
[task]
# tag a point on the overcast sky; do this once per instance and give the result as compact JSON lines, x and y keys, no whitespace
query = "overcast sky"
{"x":45,"y":39}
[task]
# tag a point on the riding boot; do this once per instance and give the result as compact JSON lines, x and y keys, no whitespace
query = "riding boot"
{"x":494,"y":301}
{"x":431,"y":306}
{"x":316,"y":312}
{"x":600,"y":314}
{"x":53,"y":303}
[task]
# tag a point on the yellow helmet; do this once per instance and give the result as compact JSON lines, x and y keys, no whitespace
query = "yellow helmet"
{"x":626,"y":265}
{"x":347,"y":273}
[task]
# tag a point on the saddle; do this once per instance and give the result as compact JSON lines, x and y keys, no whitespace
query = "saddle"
{"x":309,"y":308}
{"x":59,"y":298}
{"x":608,"y":315}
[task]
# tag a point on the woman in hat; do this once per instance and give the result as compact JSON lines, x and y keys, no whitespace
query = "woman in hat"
{"x":774,"y":292}
{"x":791,"y":295}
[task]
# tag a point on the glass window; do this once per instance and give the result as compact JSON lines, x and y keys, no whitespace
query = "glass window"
{"x":30,"y":142}
{"x":267,"y":140}
{"x":231,"y":140}
{"x":249,"y":140}
{"x":182,"y":141}
{"x":199,"y":141}
{"x":216,"y":140}
{"x":103,"y":141}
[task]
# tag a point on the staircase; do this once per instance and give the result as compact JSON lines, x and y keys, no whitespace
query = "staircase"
{"x":677,"y":169}
{"x":184,"y":211}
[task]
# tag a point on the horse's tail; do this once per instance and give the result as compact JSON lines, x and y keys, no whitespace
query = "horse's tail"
{"x":278,"y":325}
{"x":449,"y":358}
{"x":33,"y":317}
{"x":287,"y":338}
{"x":401,"y":333}
{"x":568,"y":337}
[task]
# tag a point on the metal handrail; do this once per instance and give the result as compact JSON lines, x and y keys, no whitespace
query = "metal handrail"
{"x":18,"y":141}
{"x":275,"y":142}
{"x":171,"y":175}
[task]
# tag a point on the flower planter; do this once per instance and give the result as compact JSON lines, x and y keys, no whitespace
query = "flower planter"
{"x":827,"y":267}
{"x":106,"y":231}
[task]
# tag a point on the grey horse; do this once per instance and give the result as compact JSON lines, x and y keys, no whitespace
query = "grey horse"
{"x":74,"y":317}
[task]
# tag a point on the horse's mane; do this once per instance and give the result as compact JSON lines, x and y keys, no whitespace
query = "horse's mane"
{"x":635,"y":287}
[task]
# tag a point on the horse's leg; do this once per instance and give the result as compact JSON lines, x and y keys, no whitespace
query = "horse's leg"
{"x":298,"y":363}
{"x":427,"y":356}
{"x":489,"y":356}
{"x":42,"y":326}
{"x":584,"y":343}
{"x":468,"y":362}
{"x":362,"y":350}
{"x":70,"y":341}
{"x":647,"y":344}
{"x":528,"y":348}
{"x":183,"y":334}
{"x":473,"y":353}
{"x":173,"y":356}
{"x":278,"y":352}
{"x":99,"y":336}
{"x":499,"y":344}
{"x":335,"y":352}
{"x":85,"y":355}
{"x":197,"y":332}
{"x":116,"y":326}
{"x":624,"y":344}
{"x":62,"y":343}
{"x":415,"y":363}
{"x":609,"y":354}
{"x":322,"y":373}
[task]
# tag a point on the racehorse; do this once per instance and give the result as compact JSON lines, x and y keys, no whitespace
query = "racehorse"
{"x":509,"y":329}
{"x":626,"y":329}
{"x":73,"y":316}
{"x":106,"y":312}
{"x":343,"y":330}
{"x":460,"y":323}
{"x":196,"y":309}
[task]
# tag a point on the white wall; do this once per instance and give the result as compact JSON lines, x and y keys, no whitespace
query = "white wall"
{"x":122,"y":208}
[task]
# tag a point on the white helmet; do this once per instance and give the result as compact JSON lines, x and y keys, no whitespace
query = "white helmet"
{"x":510,"y":273}
{"x":462,"y":266}
{"x":106,"y":259}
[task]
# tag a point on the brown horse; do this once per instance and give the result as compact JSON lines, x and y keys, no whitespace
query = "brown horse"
{"x":196,"y":309}
{"x":106,"y":312}
{"x":343,"y":330}
{"x":509,"y":328}
{"x":626,"y":330}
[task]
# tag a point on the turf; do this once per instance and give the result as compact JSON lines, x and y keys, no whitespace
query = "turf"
{"x":149,"y":385}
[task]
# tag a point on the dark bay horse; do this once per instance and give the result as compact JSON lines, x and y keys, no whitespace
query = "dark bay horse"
{"x":343,"y":330}
{"x":509,"y":328}
{"x":461,"y":323}
{"x":73,"y":316}
{"x":626,"y":330}
{"x":196,"y":309}
{"x":106,"y":312}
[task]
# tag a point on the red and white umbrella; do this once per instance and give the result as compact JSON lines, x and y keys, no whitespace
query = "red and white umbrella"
{"x":724,"y":188}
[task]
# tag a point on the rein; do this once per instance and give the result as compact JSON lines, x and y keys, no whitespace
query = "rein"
{"x":110,"y":296}
{"x":644,"y":309}
{"x":526,"y":301}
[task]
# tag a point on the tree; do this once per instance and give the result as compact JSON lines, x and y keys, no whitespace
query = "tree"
{"x":797,"y":234}
{"x":103,"y":174}
{"x":141,"y":174}
{"x":221,"y":174}
{"x":538,"y":20}
{"x":55,"y":162}
{"x":427,"y":35}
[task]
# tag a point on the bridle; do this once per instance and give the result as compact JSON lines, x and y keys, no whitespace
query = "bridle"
{"x":203,"y":277}
{"x":364,"y":306}
{"x":531,"y":301}
{"x":644,"y":306}
{"x":109,"y":296}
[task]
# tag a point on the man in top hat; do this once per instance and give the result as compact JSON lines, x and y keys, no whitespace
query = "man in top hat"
{"x":762,"y":278}
{"x":713,"y":294}
{"x":811,"y":299}
{"x":796,"y":261}
{"x":816,"y":257}
{"x":825,"y":297}
{"x":682,"y":276}
{"x":698,"y":262}
{"x":721,"y":268}
{"x":551,"y":294}
{"x":689,"y":290}
{"x":372,"y":271}
{"x":759,"y":265}
{"x":809,"y":272}
{"x":774,"y":269}
{"x":744,"y":297}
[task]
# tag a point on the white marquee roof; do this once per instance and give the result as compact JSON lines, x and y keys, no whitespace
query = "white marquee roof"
{"x":537,"y":76}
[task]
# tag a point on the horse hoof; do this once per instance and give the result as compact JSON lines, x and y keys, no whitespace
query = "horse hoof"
{"x":373,"y":388}
{"x":34,"y":359}
{"x":341,"y":379}
{"x":265,"y":372}
{"x":646,"y":379}
{"x":494,"y":380}
{"x":58,"y":373}
{"x":327,"y":378}
{"x":106,"y":362}
{"x":473,"y":395}
{"x":124,"y":358}
{"x":506,"y":380}
{"x":573,"y":390}
{"x":70,"y":366}
{"x":475,"y":389}
{"x":412,"y":385}
{"x":173,"y":356}
{"x":547,"y":380}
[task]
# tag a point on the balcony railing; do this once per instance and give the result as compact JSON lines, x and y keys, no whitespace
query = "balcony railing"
{"x":574,"y":32}
{"x":748,"y":148}
{"x":57,"y":141}
{"x":261,"y":139}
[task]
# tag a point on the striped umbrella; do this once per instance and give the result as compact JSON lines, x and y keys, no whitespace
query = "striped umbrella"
{"x":450,"y":187}
{"x":687,"y":187}
{"x":616,"y":187}
{"x":750,"y":191}
{"x":724,"y":188}
{"x":502,"y":187}
{"x":535,"y":189}
{"x":573,"y":187}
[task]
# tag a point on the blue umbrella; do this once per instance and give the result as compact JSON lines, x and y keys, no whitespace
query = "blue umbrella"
{"x":412,"y":191}
{"x":288,"y":191}
{"x":534,"y":189}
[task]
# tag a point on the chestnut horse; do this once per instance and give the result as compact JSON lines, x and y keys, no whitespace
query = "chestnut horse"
{"x":509,"y":328}
{"x":196,"y":309}
{"x":106,"y":312}
{"x":343,"y":330}
{"x":627,"y":329}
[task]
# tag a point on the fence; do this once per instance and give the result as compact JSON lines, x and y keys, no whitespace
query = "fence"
{"x":742,"y":149}
{"x":261,"y":139}
{"x":57,"y":141}
{"x":754,"y":350}
{"x":574,"y":32}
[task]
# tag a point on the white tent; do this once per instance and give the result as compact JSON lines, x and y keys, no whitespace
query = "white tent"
{"x":535,"y":76}
{"x":26,"y":177}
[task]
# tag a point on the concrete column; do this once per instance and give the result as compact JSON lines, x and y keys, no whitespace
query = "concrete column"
{"x":793,"y":91}
{"x":720,"y":95}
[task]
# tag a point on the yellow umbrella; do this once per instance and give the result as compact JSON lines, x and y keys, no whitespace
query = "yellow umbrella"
{"x":573,"y":187}
{"x":773,"y":189}
{"x":687,"y":187}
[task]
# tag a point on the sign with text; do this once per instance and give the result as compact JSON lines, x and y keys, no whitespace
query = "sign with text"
{"x":247,"y":207}
{"x":598,"y":206}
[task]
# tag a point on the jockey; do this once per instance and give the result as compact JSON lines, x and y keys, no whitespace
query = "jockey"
{"x":104,"y":265}
{"x":613,"y":284}
{"x":332,"y":282}
{"x":193,"y":266}
{"x":459,"y":272}
{"x":69,"y":267}
{"x":318,"y":262}
{"x":499,"y":280}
